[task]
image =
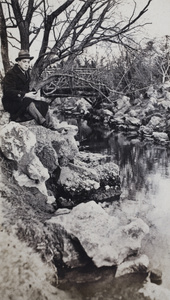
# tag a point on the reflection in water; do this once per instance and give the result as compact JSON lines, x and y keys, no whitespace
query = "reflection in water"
{"x":136,"y":161}
{"x":145,"y":180}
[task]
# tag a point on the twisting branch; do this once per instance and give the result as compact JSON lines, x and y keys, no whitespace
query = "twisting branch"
{"x":48,"y":24}
{"x":132,"y":21}
{"x":75,"y":25}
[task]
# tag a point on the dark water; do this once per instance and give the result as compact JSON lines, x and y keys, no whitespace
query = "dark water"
{"x":145,"y":178}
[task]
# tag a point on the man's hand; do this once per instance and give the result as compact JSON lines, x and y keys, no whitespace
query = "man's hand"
{"x":30,"y":95}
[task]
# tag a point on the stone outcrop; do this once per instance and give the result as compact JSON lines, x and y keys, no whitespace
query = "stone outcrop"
{"x":100,"y":234}
{"x":50,"y":161}
{"x":140,"y":116}
{"x":17,"y":143}
{"x":45,"y":169}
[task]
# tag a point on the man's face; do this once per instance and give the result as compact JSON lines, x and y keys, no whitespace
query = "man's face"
{"x":24,"y":64}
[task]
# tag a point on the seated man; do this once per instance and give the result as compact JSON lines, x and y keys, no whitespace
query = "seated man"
{"x":17,"y":99}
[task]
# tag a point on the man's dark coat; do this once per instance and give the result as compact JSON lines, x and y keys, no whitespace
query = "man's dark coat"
{"x":15,"y":85}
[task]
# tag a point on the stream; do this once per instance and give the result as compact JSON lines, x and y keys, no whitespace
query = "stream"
{"x":145,"y":180}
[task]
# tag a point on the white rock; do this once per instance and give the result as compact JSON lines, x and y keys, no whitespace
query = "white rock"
{"x":100,"y":235}
{"x":17,"y":143}
{"x":161,"y":136}
{"x":155,"y":121}
{"x":16,"y":140}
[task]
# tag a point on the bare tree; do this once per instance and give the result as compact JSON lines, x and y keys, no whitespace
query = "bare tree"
{"x":162,"y":60}
{"x":68,"y":28}
{"x":4,"y":41}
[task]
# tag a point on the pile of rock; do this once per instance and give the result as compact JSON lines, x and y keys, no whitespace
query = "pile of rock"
{"x":147,"y":117}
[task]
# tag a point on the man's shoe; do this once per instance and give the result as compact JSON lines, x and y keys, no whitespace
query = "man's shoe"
{"x":48,"y":125}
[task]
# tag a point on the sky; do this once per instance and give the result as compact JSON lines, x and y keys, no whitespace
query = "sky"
{"x":159,"y":15}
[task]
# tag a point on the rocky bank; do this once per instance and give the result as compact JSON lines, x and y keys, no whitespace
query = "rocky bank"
{"x":51,"y":198}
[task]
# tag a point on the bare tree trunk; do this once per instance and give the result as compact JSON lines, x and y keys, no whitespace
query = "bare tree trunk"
{"x":48,"y":21}
{"x":4,"y":41}
{"x":75,"y":25}
{"x":23,"y":24}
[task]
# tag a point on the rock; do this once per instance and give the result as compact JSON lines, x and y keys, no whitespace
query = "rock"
{"x":156,"y":276}
{"x":16,"y":140}
{"x":145,"y":130}
{"x":149,"y":108}
{"x":66,"y":203}
{"x":42,"y":154}
{"x":93,"y":159}
{"x":4,"y":117}
{"x":119,"y":119}
{"x":75,"y":179}
{"x":151,"y":92}
{"x":35,"y":177}
{"x":155,"y":292}
{"x":83,"y":105}
{"x":166,"y":85}
{"x":18,"y":144}
{"x":164,"y":103}
{"x":160,"y":136}
{"x":123,"y":103}
{"x":66,"y":148}
{"x":133,"y":113}
{"x":101,"y":236}
{"x":138,"y":265}
{"x":51,"y":200}
{"x":167,"y":96}
{"x":66,"y":128}
{"x":154,"y":122}
{"x":62,"y":211}
{"x":132,"y":121}
{"x":48,"y":157}
{"x":93,"y":180}
{"x":153,"y":100}
{"x":59,"y":148}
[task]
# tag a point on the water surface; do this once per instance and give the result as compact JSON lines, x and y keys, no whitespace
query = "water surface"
{"x":145,"y":179}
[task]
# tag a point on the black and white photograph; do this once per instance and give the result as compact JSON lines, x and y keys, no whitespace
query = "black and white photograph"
{"x":84,"y":149}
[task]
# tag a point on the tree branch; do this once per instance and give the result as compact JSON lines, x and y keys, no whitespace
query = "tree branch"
{"x":48,"y":24}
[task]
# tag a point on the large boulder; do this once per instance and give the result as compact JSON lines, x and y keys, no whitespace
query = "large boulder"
{"x":17,"y":143}
{"x":53,"y":147}
{"x":91,"y":177}
{"x":51,"y":162}
{"x":100,"y":234}
{"x":82,"y":177}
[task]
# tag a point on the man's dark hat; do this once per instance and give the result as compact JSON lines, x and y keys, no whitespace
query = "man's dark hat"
{"x":24,"y":54}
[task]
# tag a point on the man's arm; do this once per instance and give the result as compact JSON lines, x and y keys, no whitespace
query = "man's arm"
{"x":10,"y":88}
